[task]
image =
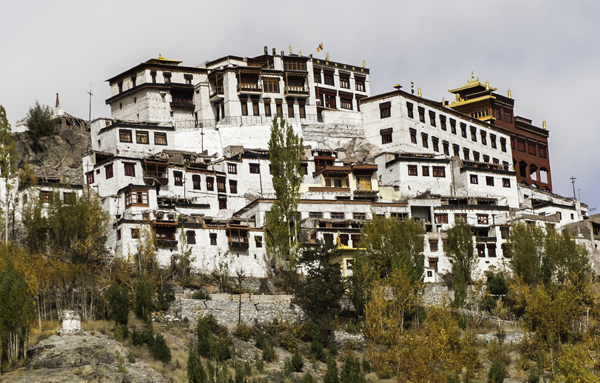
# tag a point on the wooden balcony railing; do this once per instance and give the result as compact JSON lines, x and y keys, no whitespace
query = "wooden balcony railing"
{"x":238,"y":242}
{"x":217,"y":91}
{"x":249,"y":87}
{"x":296,"y":89}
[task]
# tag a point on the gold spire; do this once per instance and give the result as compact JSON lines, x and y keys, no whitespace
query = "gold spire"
{"x":443,"y":101}
{"x":487,"y":85}
{"x":300,"y":53}
{"x":472,"y":76}
{"x":544,"y":124}
{"x":327,"y":56}
{"x":160,"y":56}
{"x":364,"y":63}
{"x":509,"y":94}
{"x":291,"y":49}
{"x":419,"y":92}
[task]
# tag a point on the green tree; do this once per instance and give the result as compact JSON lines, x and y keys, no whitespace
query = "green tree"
{"x":7,"y":165}
{"x":460,"y":250}
{"x":195,"y":370}
{"x":16,"y":313}
{"x":118,"y":300}
{"x":321,"y":288}
{"x":331,"y":376}
{"x":390,"y":241}
{"x":568,"y":259}
{"x":160,"y":350}
{"x":285,"y":154}
{"x":40,"y":122}
{"x":526,"y":250}
{"x":359,"y":283}
{"x":497,"y":372}
{"x":143,"y":300}
{"x":351,"y":371}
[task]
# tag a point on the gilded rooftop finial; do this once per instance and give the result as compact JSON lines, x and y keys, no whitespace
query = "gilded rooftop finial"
{"x":160,"y":56}
{"x":544,"y":124}
{"x":472,"y":76}
{"x":291,"y":49}
{"x":509,"y":94}
{"x":364,"y":63}
{"x":419,"y":92}
{"x":487,"y":85}
{"x":327,"y":56}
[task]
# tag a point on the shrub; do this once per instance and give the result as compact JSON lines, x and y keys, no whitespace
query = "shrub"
{"x":260,"y":366}
{"x":331,"y":376}
{"x":131,"y":358}
{"x":497,"y":373}
{"x":160,"y":350}
{"x":351,"y":371}
{"x":366,"y":366}
{"x":452,"y":378}
{"x":196,"y":373}
{"x":260,"y":340}
{"x":239,"y":375}
{"x":268,"y":352}
{"x":243,"y":332}
{"x":297,"y":362}
{"x":143,"y":300}
{"x":136,"y":338}
{"x":248,"y":368}
{"x":121,"y":332}
{"x":307,"y":378}
{"x":205,"y":337}
{"x":222,"y":351}
{"x":316,"y":344}
{"x":164,"y":299}
{"x":201,"y":294}
{"x":118,"y":301}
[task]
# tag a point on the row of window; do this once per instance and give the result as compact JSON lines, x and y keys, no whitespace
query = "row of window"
{"x":529,"y":147}
{"x":489,"y":180}
{"x":359,"y":83}
{"x":278,"y":109}
{"x":481,"y":247}
{"x":166,"y":78}
{"x":438,"y":171}
{"x":142,"y":137}
{"x":337,"y":215}
{"x":191,"y":237}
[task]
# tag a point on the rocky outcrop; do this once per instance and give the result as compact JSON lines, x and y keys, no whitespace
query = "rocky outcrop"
{"x":81,"y":358}
{"x":58,"y":157}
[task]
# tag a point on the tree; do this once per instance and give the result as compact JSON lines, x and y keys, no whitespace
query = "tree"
{"x":497,"y":372}
{"x":17,"y":313}
{"x":351,"y":371}
{"x":40,"y":122}
{"x":567,"y":258}
{"x":195,"y":370}
{"x":143,"y":300}
{"x":331,"y":376}
{"x":526,"y":250}
{"x":360,"y":282}
{"x":285,"y":154}
{"x":7,"y":165}
{"x":389,"y":241}
{"x":118,"y":300}
{"x":321,"y":288}
{"x":461,"y":254}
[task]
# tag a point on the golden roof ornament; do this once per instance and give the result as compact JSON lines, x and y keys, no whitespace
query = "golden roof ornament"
{"x":509,"y":94}
{"x":487,"y":85}
{"x":472,"y":76}
{"x":300,"y":53}
{"x":290,"y":49}
{"x":544,"y":124}
{"x":327,"y":56}
{"x":419,"y":92}
{"x":364,"y":63}
{"x":443,"y":101}
{"x":160,"y":56}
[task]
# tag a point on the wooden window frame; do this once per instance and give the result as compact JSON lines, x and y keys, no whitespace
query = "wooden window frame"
{"x":409,"y":109}
{"x":142,"y":137}
{"x":196,"y":182}
{"x":386,"y":136}
{"x":231,"y":168}
{"x":133,"y":196}
{"x":129,"y":169}
{"x":109,"y":171}
{"x":233,"y":186}
{"x":125,"y":135}
{"x":473,"y":179}
{"x":441,"y":218}
{"x":160,"y":138}
{"x":425,"y":171}
{"x":413,"y":170}
{"x":254,"y":168}
{"x":178,"y":178}
{"x":439,"y":171}
{"x":210,"y":183}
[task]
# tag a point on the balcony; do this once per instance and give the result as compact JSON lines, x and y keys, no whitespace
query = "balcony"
{"x":216,"y":91}
{"x":238,"y":242}
{"x":296,"y":90}
{"x":159,"y":177}
{"x":249,"y":88}
{"x":328,"y":189}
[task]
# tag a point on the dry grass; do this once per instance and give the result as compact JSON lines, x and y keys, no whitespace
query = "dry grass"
{"x":49,"y":328}
{"x":102,"y":326}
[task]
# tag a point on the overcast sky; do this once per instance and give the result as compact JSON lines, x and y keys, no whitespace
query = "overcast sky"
{"x":545,"y":51}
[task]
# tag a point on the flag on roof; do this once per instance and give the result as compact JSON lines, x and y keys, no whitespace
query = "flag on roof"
{"x":320,"y":47}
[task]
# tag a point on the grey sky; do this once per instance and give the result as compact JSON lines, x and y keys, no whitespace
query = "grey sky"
{"x":545,"y":51}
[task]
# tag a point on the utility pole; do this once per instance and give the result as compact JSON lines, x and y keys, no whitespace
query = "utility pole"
{"x":90,"y":93}
{"x":573,"y":182}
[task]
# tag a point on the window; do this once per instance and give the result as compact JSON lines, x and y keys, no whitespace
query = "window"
{"x":337,"y":215}
{"x":489,"y":181}
{"x":463,"y":130}
{"x":425,"y":170}
{"x":118,"y":234}
{"x":359,"y":84}
{"x":424,"y":139}
{"x":141,"y":137}
{"x":190,"y":236}
{"x":421,"y":114}
{"x":315,"y":214}
{"x":497,"y":114}
{"x":386,"y":135}
{"x":460,"y":217}
{"x":68,"y":198}
{"x":346,"y":103}
{"x":188,"y":78}
{"x":213,"y":239}
{"x":482,"y":219}
{"x":90,"y":177}
{"x":317,"y":76}
{"x":196,"y":182}
{"x":355,"y":240}
{"x":409,"y":108}
{"x":476,"y":156}
{"x":160,"y":138}
{"x":136,"y":198}
{"x":290,"y":109}
{"x":178,"y":178}
{"x":491,"y":248}
{"x":503,"y":144}
{"x":439,"y":171}
{"x":506,"y":182}
{"x":474,"y":179}
{"x":153,"y":75}
{"x":520,"y":144}
{"x":108,"y":171}
{"x":481,"y":250}
{"x":531,"y":148}
{"x":466,"y":154}
{"x":453,"y":126}
{"x":258,"y":241}
{"x":329,"y":79}
{"x":305,"y":169}
{"x":542,"y":151}
{"x":232,"y":168}
{"x":446,"y":146}
{"x":441,"y":218}
{"x":233,"y":186}
{"x":433,"y":245}
{"x":267,"y":109}
{"x":344,"y":82}
{"x":413,"y":136}
{"x":412,"y":170}
{"x":360,"y":216}
{"x":442,"y":122}
{"x":125,"y":135}
{"x":473,"y":134}
{"x":129,"y":169}
{"x":486,"y":158}
{"x":504,"y":230}
{"x":210,"y":183}
{"x":120,"y":85}
{"x":135,"y":233}
{"x":456,"y":150}
{"x":483,"y":137}
{"x":508,"y":115}
{"x":167,"y":77}
{"x":222,"y":202}
{"x":271,"y":85}
{"x":254,"y":168}
{"x":221,"y":184}
{"x":328,"y":238}
{"x":279,"y":109}
{"x":244,"y":105}
{"x":385,"y":109}
{"x":432,"y":118}
{"x":496,"y":161}
{"x":255,"y":111}
{"x":434,"y":143}
{"x":302,"y":110}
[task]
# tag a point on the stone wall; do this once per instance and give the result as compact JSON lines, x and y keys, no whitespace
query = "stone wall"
{"x":254,"y":310}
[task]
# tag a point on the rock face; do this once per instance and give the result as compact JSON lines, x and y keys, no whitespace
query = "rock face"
{"x":81,"y":358}
{"x":54,"y":157}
